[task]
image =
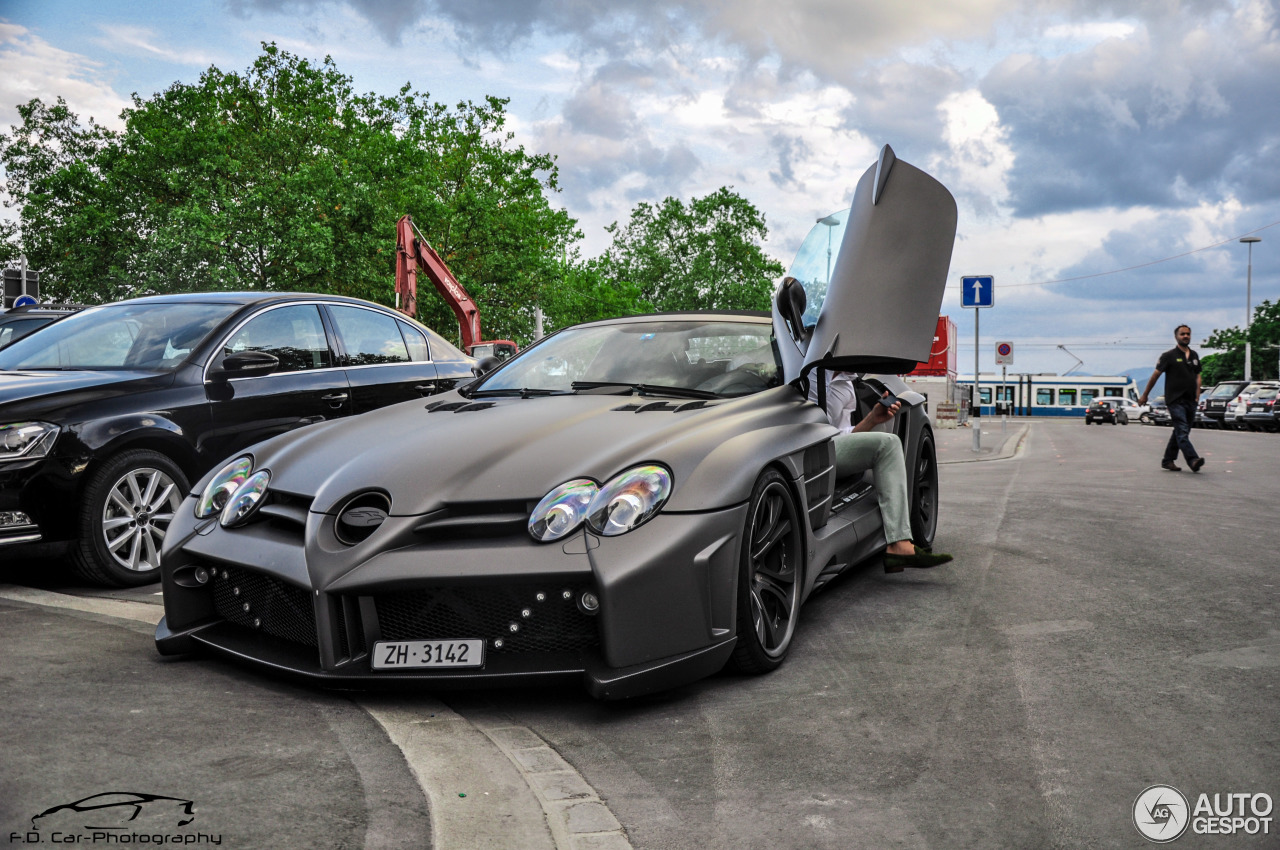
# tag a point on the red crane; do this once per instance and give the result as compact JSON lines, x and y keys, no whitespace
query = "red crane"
{"x":413,"y":252}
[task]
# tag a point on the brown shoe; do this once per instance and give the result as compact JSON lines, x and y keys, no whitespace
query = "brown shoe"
{"x":1170,"y":465}
{"x":1196,"y":464}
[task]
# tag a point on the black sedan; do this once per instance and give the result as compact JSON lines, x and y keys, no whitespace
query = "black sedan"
{"x":1106,"y":410}
{"x":630,"y":503}
{"x":107,"y":415}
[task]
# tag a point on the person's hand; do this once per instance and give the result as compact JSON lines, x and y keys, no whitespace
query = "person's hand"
{"x":879,"y":413}
{"x":1142,"y":399}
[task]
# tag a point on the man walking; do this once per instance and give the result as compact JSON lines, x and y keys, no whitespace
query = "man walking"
{"x":1181,"y":368}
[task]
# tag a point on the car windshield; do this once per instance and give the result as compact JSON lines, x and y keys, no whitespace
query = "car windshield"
{"x":1226,"y":391}
{"x":135,"y":337}
{"x":682,"y":357}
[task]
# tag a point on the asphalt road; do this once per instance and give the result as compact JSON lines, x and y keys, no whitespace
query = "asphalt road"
{"x":1106,"y":626}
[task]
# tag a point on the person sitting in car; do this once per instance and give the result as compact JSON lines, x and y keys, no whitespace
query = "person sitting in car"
{"x":859,"y":448}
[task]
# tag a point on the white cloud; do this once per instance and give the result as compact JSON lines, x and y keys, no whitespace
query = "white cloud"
{"x":33,"y":68}
{"x":146,"y":42}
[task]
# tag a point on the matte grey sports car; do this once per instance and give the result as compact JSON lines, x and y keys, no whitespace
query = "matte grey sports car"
{"x":632,"y":503}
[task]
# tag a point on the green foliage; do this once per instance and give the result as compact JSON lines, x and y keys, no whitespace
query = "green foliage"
{"x":1264,"y":337}
{"x":704,"y":256}
{"x":284,"y":178}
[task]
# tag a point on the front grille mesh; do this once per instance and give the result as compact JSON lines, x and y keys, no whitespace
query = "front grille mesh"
{"x":266,"y":604}
{"x":554,"y":624}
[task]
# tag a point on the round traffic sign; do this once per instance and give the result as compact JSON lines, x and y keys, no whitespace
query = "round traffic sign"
{"x":1003,"y":349}
{"x":23,"y":301}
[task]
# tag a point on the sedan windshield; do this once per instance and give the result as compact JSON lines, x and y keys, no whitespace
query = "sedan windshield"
{"x":136,"y":337}
{"x":681,"y":358}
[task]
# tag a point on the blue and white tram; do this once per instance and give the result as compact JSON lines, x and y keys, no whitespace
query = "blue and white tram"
{"x":1047,"y":395}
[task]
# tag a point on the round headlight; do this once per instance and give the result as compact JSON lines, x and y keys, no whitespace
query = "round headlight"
{"x":629,"y":500}
{"x":218,"y":492}
{"x":562,"y":510}
{"x":245,"y":499}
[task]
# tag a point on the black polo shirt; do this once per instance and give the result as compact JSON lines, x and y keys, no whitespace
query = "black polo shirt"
{"x":1180,"y":372}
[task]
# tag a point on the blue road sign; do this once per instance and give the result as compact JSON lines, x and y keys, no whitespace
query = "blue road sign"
{"x":23,"y":300}
{"x":978,"y":291}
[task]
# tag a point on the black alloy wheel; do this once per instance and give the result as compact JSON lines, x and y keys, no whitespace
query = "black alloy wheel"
{"x":769,"y":577}
{"x":924,"y":494}
{"x":124,"y":513}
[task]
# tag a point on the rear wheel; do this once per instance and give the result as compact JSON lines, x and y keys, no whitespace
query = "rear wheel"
{"x":769,"y":577}
{"x":126,"y":509}
{"x":924,"y":494}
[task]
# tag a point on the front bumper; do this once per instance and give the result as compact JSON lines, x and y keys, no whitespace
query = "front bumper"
{"x":666,"y":612}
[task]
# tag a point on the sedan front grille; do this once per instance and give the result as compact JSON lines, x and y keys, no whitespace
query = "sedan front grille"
{"x":550,"y":624}
{"x":265,"y":604}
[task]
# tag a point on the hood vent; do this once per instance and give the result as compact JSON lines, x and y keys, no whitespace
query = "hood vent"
{"x":458,"y":406}
{"x":461,"y":521}
{"x":664,"y":406}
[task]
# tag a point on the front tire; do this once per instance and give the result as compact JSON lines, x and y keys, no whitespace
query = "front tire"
{"x":125,"y":510}
{"x":769,"y":576}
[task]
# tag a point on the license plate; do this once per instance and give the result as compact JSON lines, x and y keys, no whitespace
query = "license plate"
{"x":411,"y":654}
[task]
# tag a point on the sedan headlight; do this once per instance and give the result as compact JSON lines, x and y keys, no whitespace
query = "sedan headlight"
{"x":219,"y":489}
{"x":629,"y":500}
{"x":245,"y":500}
{"x":562,"y":510}
{"x":26,"y":440}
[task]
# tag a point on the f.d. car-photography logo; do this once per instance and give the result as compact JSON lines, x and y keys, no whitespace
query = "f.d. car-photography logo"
{"x":116,"y":817}
{"x":1160,"y":813}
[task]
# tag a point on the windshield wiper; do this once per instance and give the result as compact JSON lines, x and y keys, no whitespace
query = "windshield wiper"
{"x":512,"y":392}
{"x":645,"y":389}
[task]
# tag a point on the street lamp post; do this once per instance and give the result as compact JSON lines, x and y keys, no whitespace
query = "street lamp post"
{"x":829,"y":222}
{"x":1248,"y":308}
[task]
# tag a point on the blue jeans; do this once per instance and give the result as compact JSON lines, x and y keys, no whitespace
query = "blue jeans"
{"x":1183,"y":413}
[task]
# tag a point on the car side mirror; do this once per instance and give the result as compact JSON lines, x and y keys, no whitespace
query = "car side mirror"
{"x":485,"y":365}
{"x":245,"y":364}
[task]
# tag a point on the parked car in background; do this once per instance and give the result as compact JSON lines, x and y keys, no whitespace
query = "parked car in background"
{"x":1112,"y":410}
{"x":1159,"y":412}
{"x":20,"y":321}
{"x":1263,"y":413}
{"x":1233,"y":416}
{"x":1222,"y":396}
{"x":108,"y":415}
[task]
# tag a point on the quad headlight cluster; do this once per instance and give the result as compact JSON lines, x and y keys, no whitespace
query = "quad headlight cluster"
{"x":625,"y":502}
{"x":26,"y":440}
{"x":234,"y":492}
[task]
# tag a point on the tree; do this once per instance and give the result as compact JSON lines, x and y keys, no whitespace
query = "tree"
{"x":703,"y":256}
{"x":1264,"y":337}
{"x":283,"y":177}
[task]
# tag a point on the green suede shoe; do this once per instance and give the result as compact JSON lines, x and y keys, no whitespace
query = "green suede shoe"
{"x":920,"y":560}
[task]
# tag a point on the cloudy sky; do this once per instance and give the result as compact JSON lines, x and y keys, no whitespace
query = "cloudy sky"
{"x":1085,"y":140}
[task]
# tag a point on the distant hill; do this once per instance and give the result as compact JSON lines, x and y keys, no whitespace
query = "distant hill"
{"x":1140,"y":376}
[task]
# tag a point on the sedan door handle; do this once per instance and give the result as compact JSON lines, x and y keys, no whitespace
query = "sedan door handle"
{"x":334,"y":399}
{"x":426,"y":389}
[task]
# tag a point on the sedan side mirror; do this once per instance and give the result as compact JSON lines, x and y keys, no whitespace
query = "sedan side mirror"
{"x":245,"y":364}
